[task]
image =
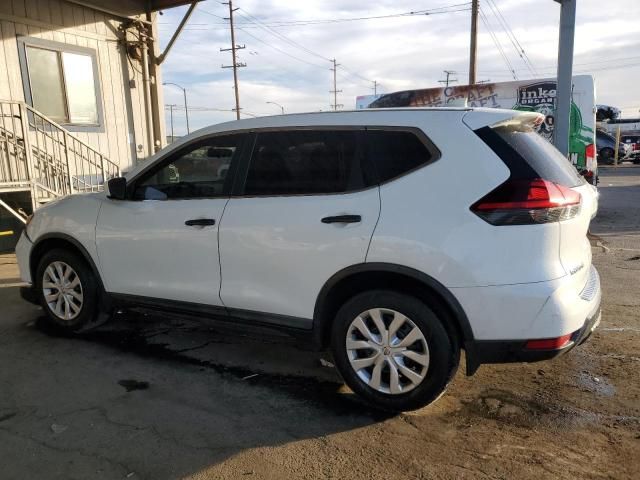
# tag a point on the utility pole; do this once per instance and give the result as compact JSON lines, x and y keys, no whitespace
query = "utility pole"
{"x":171,"y":106}
{"x":565,"y":72}
{"x":375,"y":87}
{"x":335,"y":91}
{"x":235,"y":65}
{"x":448,"y":73}
{"x":473,"y":53}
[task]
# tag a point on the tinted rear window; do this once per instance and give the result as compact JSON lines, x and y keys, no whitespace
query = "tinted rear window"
{"x":396,"y":152}
{"x":541,"y":156}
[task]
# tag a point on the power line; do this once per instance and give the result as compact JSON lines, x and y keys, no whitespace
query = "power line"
{"x":519,"y":46}
{"x":355,"y":74}
{"x":497,"y":43}
{"x":511,"y":36}
{"x":553,"y":68}
{"x":551,"y":72}
{"x":251,"y":18}
{"x":280,"y":50}
{"x":597,"y":62}
{"x":281,"y":36}
{"x":452,"y":8}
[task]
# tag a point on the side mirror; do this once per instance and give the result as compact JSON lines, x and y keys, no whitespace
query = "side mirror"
{"x":118,"y":188}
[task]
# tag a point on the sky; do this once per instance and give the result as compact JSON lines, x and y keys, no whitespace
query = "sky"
{"x":289,"y":46}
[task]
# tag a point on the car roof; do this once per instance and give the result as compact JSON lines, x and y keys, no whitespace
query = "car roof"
{"x":333,"y":118}
{"x":329,"y":118}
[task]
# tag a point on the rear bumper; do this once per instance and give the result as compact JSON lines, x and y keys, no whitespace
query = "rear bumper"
{"x":509,"y":351}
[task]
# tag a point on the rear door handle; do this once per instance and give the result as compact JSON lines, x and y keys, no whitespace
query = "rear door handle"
{"x":342,"y":219}
{"x":200,"y":222}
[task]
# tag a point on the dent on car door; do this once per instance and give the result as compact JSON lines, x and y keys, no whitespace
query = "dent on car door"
{"x":162,"y":242}
{"x":308,"y":208}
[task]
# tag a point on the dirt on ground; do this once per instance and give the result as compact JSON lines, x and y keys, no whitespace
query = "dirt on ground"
{"x":158,"y":398}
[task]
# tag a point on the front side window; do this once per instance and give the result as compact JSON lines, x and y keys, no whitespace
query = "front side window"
{"x":61,"y":82}
{"x":199,"y":172}
{"x":304,"y":162}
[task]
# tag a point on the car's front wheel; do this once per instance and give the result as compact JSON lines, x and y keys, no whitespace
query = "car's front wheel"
{"x":67,"y":290}
{"x":393,"y":350}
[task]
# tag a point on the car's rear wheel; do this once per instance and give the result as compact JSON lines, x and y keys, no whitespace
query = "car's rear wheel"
{"x":606,"y":156}
{"x":393,"y":350}
{"x":67,"y":290}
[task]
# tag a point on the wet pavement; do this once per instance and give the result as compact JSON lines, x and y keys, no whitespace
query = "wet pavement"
{"x":158,"y":398}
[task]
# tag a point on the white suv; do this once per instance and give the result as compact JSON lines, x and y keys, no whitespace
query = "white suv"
{"x":396,"y":237}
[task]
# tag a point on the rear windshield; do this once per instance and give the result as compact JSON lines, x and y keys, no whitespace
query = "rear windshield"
{"x":545,"y":159}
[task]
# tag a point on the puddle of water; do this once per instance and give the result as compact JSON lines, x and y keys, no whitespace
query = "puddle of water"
{"x":7,"y":416}
{"x":528,"y":412}
{"x":596,"y":384}
{"x":131,"y":385}
{"x":505,"y":406}
{"x":321,"y":393}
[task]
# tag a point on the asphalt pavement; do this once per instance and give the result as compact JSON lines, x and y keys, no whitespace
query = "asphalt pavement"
{"x":157,"y":398}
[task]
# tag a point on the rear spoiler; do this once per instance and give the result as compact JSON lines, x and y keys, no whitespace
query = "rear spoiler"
{"x":478,"y":118}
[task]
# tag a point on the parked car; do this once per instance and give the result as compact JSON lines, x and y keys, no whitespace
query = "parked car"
{"x":633,"y":146}
{"x":606,"y":147}
{"x":394,"y":237}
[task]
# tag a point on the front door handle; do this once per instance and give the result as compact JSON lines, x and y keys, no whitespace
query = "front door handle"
{"x":200,"y":222}
{"x":342,"y":219}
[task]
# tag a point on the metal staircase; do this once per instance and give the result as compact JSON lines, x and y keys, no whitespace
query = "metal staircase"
{"x":40,"y":157}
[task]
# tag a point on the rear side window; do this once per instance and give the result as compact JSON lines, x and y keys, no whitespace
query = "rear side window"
{"x":396,"y":152}
{"x":528,"y":155}
{"x":306,"y":162}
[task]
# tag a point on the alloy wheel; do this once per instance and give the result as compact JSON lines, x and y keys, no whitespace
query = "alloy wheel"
{"x":387,"y":351}
{"x":62,"y":290}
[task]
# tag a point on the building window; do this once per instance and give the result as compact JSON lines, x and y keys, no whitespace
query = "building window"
{"x":61,"y":81}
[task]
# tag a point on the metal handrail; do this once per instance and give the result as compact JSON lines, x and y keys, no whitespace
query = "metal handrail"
{"x":54,"y":162}
{"x":60,"y":127}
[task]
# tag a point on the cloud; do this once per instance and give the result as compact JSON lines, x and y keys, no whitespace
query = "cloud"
{"x":399,"y":53}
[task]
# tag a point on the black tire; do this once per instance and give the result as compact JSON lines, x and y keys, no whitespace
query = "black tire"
{"x":606,"y":156}
{"x":444,"y":352}
{"x":89,"y":315}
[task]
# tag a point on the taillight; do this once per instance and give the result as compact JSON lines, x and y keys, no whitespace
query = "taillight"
{"x":590,"y":158}
{"x":590,"y":151}
{"x":527,"y":202}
